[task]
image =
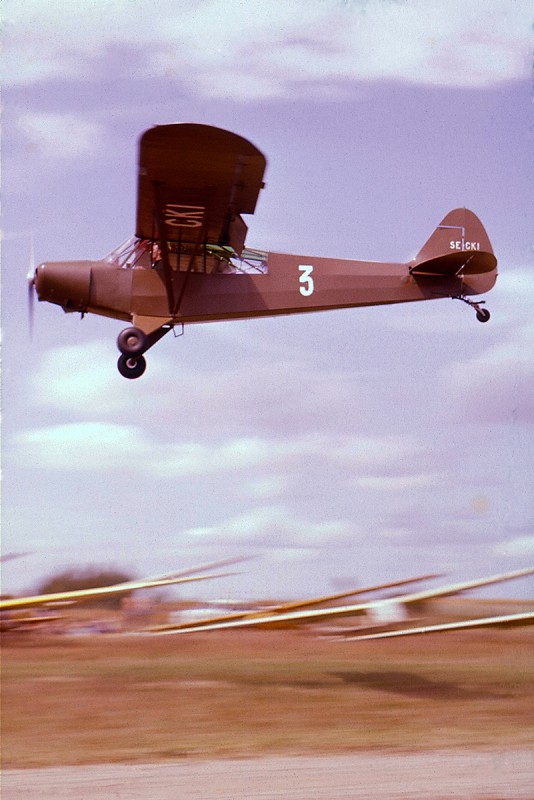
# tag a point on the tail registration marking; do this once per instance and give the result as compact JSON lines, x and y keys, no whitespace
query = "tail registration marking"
{"x":460,"y":244}
{"x":464,"y":245}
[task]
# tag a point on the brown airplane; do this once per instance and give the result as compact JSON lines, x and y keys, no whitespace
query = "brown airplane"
{"x":187,"y":261}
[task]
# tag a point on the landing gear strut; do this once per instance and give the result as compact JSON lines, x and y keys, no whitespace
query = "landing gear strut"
{"x":482,"y":314}
{"x":133,"y":343}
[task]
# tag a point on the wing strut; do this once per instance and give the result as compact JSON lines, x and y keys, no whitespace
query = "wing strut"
{"x":193,"y":257}
{"x":174,"y":302}
{"x":163,"y":244}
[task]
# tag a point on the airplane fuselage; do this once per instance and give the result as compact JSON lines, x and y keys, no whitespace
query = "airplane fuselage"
{"x":290,"y":284}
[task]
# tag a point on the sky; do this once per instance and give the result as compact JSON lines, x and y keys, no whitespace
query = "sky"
{"x":335,"y":449}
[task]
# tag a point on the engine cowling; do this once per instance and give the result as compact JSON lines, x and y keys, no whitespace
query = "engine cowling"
{"x":67,"y":284}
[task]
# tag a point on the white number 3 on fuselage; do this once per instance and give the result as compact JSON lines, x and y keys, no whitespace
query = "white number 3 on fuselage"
{"x":306,"y":280}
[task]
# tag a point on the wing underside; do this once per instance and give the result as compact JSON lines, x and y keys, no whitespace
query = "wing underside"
{"x":195,"y":182}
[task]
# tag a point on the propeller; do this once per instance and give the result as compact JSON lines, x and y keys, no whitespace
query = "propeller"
{"x":31,"y":288}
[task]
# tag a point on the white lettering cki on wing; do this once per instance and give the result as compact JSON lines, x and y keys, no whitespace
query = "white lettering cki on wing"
{"x":179,"y":216}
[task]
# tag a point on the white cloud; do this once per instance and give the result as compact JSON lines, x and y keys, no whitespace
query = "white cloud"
{"x":98,"y":446}
{"x":265,"y":419}
{"x":67,"y":136}
{"x":225,"y":48}
{"x":274,"y":526}
{"x":497,"y":385}
{"x":350,"y":453}
{"x":515,"y":291}
{"x":193,"y":458}
{"x":274,"y":397}
{"x":267,"y":488}
{"x":106,"y":446}
{"x":109,"y":447}
{"x":522,"y":546}
{"x":78,"y":378}
{"x":398,"y":483}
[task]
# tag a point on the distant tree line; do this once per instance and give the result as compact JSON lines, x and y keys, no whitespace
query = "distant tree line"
{"x":86,"y":578}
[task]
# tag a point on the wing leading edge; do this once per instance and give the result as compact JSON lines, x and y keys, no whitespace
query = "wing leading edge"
{"x":285,"y":608}
{"x":503,"y":621}
{"x":377,"y":609}
{"x":79,"y":595}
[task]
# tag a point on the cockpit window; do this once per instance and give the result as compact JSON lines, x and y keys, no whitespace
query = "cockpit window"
{"x":131,"y":254}
{"x":137,"y":253}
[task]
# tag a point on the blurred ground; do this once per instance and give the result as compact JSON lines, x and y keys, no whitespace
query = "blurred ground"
{"x":452,"y":705}
{"x":364,"y":776}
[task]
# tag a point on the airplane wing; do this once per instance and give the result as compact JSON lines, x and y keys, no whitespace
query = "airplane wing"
{"x":195,"y":181}
{"x":80,"y":595}
{"x":503,"y":621}
{"x":9,"y":624}
{"x":389,"y":611}
{"x":201,"y":568}
{"x":295,"y":605}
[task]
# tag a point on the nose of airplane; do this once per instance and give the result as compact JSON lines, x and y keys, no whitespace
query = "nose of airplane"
{"x":66,"y":284}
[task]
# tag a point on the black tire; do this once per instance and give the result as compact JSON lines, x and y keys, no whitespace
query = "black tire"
{"x":132,"y":342}
{"x":483,"y":314}
{"x":130,"y":367}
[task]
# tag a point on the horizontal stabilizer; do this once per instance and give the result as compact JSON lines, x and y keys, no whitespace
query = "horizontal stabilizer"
{"x":459,"y":246}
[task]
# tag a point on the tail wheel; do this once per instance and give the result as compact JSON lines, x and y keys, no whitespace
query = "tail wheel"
{"x":130,"y":367}
{"x":482,"y":314}
{"x":132,"y":342}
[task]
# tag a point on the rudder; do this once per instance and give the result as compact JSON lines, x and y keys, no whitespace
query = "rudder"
{"x":459,"y":244}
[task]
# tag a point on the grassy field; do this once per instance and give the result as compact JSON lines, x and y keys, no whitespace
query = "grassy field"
{"x":89,"y":699}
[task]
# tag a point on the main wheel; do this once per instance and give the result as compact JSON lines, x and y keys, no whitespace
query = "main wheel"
{"x":130,"y":367}
{"x":483,"y":314}
{"x":132,"y":342}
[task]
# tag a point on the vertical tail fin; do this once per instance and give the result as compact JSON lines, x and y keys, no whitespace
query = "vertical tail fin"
{"x":459,"y":245}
